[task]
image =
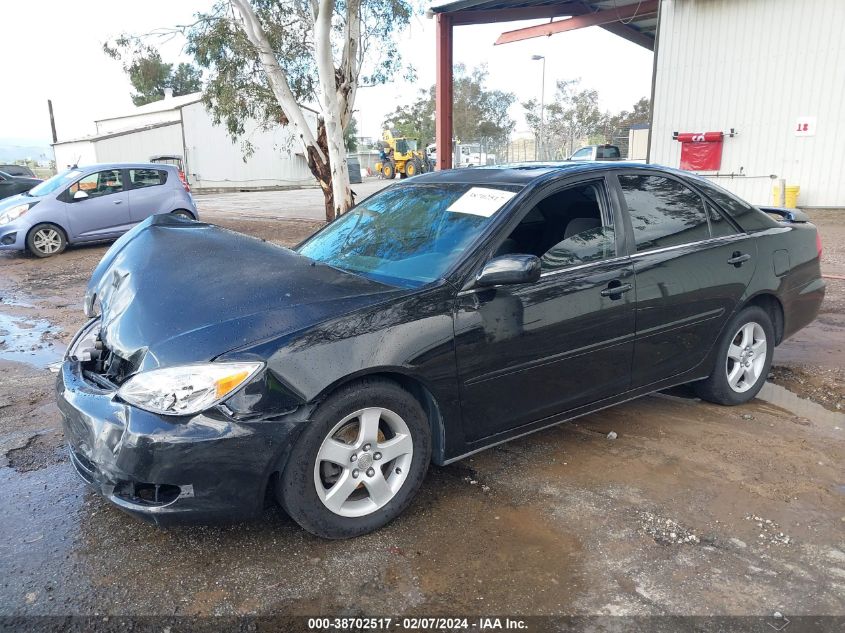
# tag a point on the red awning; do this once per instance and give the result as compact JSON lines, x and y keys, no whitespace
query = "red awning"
{"x":699,"y":137}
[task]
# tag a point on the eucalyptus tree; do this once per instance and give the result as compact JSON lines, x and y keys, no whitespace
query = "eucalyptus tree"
{"x":279,"y":61}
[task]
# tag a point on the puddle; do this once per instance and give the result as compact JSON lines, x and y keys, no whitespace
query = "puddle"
{"x":10,"y":301}
{"x":22,"y":340}
{"x":783,"y":398}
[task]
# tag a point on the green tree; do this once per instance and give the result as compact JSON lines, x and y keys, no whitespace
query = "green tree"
{"x":185,"y":79}
{"x":478,"y":113}
{"x":350,"y":140}
{"x":572,"y":116}
{"x":615,"y":126}
{"x":263,"y":59}
{"x":415,"y":119}
{"x":149,"y":75}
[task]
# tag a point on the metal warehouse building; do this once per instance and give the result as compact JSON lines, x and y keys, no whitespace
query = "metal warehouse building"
{"x":181,"y":126}
{"x":774,"y":71}
{"x":746,"y":92}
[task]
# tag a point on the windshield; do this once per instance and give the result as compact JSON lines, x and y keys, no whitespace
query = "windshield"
{"x":55,"y":183}
{"x":408,"y":235}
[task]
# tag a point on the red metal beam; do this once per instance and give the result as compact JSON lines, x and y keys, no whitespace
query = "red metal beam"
{"x":649,"y":7}
{"x":443,"y":92}
{"x":462,"y":18}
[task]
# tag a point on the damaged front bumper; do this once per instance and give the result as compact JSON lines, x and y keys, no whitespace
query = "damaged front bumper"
{"x":163,"y":469}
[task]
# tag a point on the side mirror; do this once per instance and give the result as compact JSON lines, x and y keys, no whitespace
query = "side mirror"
{"x":509,"y":269}
{"x":80,"y":195}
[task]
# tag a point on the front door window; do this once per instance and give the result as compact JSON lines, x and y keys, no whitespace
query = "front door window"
{"x":101,"y":183}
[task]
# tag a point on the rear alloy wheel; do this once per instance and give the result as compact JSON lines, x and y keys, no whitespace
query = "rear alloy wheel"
{"x":45,"y":240}
{"x":743,"y":359}
{"x":359,"y":461}
{"x":746,"y":357}
{"x":182,"y":213}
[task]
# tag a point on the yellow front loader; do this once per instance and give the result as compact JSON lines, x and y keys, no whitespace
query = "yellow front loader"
{"x":399,"y":155}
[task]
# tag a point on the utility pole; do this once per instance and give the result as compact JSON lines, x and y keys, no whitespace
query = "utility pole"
{"x":542,"y":140}
{"x":52,"y":120}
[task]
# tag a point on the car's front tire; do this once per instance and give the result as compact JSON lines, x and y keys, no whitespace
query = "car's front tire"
{"x":743,"y":359}
{"x":46,"y":240}
{"x":359,"y":462}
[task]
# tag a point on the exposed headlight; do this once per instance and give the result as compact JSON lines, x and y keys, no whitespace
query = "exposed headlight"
{"x":15,"y":212}
{"x":188,"y":389}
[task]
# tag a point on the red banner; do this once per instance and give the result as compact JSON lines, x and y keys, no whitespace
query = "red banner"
{"x":700,"y":151}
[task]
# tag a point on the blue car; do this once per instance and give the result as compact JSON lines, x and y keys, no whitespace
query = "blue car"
{"x":89,"y":204}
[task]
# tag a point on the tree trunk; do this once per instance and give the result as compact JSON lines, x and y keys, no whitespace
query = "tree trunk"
{"x":322,"y":171}
{"x":326,"y":154}
{"x":330,"y":105}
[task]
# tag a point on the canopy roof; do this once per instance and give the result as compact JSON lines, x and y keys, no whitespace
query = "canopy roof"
{"x":634,"y":20}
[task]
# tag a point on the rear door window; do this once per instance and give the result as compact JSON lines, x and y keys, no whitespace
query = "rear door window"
{"x":719,"y":226}
{"x":147,"y":177}
{"x":663,"y":212}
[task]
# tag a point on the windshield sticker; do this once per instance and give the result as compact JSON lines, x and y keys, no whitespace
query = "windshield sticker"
{"x":481,"y":201}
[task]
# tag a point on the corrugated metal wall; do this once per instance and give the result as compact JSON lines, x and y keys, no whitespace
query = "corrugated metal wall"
{"x":756,"y":66}
{"x":138,"y":147}
{"x":213,"y":161}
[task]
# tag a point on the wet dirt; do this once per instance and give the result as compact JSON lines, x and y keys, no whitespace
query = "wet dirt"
{"x":40,"y":451}
{"x":565,"y":521}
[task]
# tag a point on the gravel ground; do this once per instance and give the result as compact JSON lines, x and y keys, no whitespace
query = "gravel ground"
{"x":691,"y":509}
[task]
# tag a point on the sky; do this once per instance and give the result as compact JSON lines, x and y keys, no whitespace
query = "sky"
{"x":60,"y":43}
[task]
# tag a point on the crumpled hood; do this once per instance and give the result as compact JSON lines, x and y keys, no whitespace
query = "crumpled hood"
{"x":175,"y":291}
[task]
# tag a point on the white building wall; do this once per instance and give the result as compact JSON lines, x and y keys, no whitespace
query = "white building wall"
{"x":213,"y":161}
{"x":756,"y":66}
{"x":138,"y":147}
{"x":74,"y":153}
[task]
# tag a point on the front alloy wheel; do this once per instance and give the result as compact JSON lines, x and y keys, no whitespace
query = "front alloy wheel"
{"x":46,"y":240}
{"x":363,"y":462}
{"x":358,"y":461}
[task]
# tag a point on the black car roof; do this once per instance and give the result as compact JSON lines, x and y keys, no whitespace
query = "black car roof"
{"x":526,"y":173}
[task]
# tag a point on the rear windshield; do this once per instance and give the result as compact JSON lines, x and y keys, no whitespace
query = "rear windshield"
{"x":410,"y":234}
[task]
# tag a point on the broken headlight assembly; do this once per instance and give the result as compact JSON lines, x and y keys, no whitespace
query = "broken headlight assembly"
{"x":186,"y":389}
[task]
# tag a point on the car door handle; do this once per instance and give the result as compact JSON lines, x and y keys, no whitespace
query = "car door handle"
{"x":617,"y":289}
{"x":118,"y":201}
{"x":738,"y":258}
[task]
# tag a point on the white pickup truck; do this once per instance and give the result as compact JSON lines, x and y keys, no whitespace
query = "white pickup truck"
{"x":597,"y":152}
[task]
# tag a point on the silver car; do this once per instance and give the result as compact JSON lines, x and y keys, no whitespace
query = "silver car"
{"x":93,"y":203}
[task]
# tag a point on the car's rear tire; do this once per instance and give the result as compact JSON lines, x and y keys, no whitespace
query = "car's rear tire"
{"x":183,"y":213}
{"x":743,"y":359}
{"x":46,"y":240}
{"x":359,"y":462}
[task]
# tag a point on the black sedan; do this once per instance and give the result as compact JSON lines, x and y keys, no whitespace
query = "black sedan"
{"x":13,"y":185}
{"x":441,"y":316}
